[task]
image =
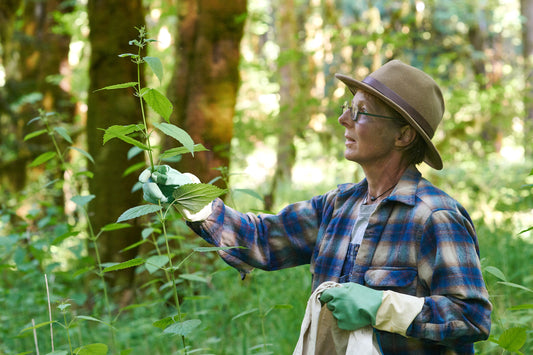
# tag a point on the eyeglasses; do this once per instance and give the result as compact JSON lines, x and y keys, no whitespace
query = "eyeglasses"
{"x":355,"y":113}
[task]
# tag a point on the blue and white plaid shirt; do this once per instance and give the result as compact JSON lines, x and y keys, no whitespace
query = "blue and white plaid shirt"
{"x":419,"y":241}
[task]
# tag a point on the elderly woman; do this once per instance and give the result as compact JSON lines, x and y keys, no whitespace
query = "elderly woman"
{"x":406,"y":253}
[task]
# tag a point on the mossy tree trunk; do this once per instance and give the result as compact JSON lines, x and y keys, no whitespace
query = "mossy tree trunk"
{"x":33,"y":52}
{"x":113,"y":24}
{"x":206,"y":79}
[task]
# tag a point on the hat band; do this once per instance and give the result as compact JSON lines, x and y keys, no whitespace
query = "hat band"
{"x":379,"y":86}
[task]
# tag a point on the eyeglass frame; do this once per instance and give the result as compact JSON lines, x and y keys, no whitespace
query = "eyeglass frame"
{"x":355,"y":113}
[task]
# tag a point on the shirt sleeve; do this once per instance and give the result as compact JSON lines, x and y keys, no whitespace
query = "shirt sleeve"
{"x":265,"y":241}
{"x":457,"y":311}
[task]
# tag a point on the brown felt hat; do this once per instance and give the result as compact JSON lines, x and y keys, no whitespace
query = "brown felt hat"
{"x":412,"y":93}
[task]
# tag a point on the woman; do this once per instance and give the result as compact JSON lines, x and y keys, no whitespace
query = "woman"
{"x":405,"y":252}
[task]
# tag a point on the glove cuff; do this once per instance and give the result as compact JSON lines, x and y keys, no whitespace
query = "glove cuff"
{"x":397,"y":312}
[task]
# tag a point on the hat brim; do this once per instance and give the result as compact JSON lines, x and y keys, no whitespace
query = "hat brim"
{"x":432,"y":157}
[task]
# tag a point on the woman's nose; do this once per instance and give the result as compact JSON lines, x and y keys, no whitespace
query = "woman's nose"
{"x":344,"y":118}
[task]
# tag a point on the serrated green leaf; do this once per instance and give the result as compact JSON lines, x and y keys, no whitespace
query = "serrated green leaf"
{"x":83,"y":271}
{"x":133,"y":168}
{"x":242,"y":314}
{"x":133,"y":152}
{"x":513,"y":339}
{"x":125,"y":265}
{"x":114,"y":226}
{"x":495,"y":272}
{"x":133,"y":246}
{"x":182,"y":150}
{"x":178,"y":134}
{"x":41,"y":159}
{"x":182,"y":328}
{"x":57,"y":352}
{"x":121,"y":132}
{"x":36,"y":326}
{"x":159,"y":103}
{"x":34,"y":134}
{"x":92,"y":349}
{"x":138,"y":211}
{"x":156,"y":66}
{"x":278,"y":306}
{"x":119,"y":86}
{"x":209,"y":249}
{"x":84,"y":153}
{"x":155,"y":263}
{"x":82,"y":200}
{"x":63,"y":133}
{"x":163,"y":323}
{"x":194,"y":197}
{"x":511,"y":284}
{"x":521,"y":307}
{"x":193,"y":277}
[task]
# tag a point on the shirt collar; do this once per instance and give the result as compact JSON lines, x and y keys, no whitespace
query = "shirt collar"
{"x":404,"y":192}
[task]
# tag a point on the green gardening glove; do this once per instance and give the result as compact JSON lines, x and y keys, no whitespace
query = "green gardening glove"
{"x":353,"y":305}
{"x":159,"y":185}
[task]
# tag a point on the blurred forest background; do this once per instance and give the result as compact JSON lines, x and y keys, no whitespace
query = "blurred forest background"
{"x":253,"y":82}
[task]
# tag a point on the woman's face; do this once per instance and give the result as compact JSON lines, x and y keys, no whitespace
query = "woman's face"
{"x":370,"y":140}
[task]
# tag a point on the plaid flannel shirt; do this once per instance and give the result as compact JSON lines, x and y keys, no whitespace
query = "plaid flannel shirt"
{"x":419,"y":241}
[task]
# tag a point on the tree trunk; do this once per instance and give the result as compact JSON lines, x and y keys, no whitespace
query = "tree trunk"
{"x":294,"y":93}
{"x":205,"y":80}
{"x":32,"y":53}
{"x":527,"y":45}
{"x":112,"y":24}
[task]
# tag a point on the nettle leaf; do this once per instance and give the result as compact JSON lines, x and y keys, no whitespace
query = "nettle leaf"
{"x":138,"y":211}
{"x":155,"y":263}
{"x":63,"y":133}
{"x":193,"y":277}
{"x":115,"y":226}
{"x":121,"y":132}
{"x":34,"y":134}
{"x":194,"y":197}
{"x":209,"y":249}
{"x":41,"y":159}
{"x":513,"y":339}
{"x":82,"y":200}
{"x":158,"y":102}
{"x":124,"y":265}
{"x":178,"y":134}
{"x":84,"y":153}
{"x":92,"y":349}
{"x":495,"y":272}
{"x":156,"y":66}
{"x":119,"y":86}
{"x":182,"y":328}
{"x":163,"y":323}
{"x":182,"y":150}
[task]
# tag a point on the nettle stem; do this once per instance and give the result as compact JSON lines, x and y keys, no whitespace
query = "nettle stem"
{"x":146,"y":133}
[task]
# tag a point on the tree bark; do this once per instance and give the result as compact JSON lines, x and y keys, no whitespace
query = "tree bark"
{"x":113,"y":24}
{"x":295,"y":82}
{"x":526,"y":7}
{"x":206,"y":78}
{"x":32,"y":52}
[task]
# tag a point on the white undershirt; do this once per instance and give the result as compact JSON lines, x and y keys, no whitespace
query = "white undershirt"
{"x":361,"y":223}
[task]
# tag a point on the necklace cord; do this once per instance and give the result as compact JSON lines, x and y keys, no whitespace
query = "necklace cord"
{"x":374,"y":198}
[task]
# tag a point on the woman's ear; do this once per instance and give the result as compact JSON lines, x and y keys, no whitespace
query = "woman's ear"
{"x":406,"y":136}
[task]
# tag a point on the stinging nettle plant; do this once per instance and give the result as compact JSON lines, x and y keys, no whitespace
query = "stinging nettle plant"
{"x":190,"y":196}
